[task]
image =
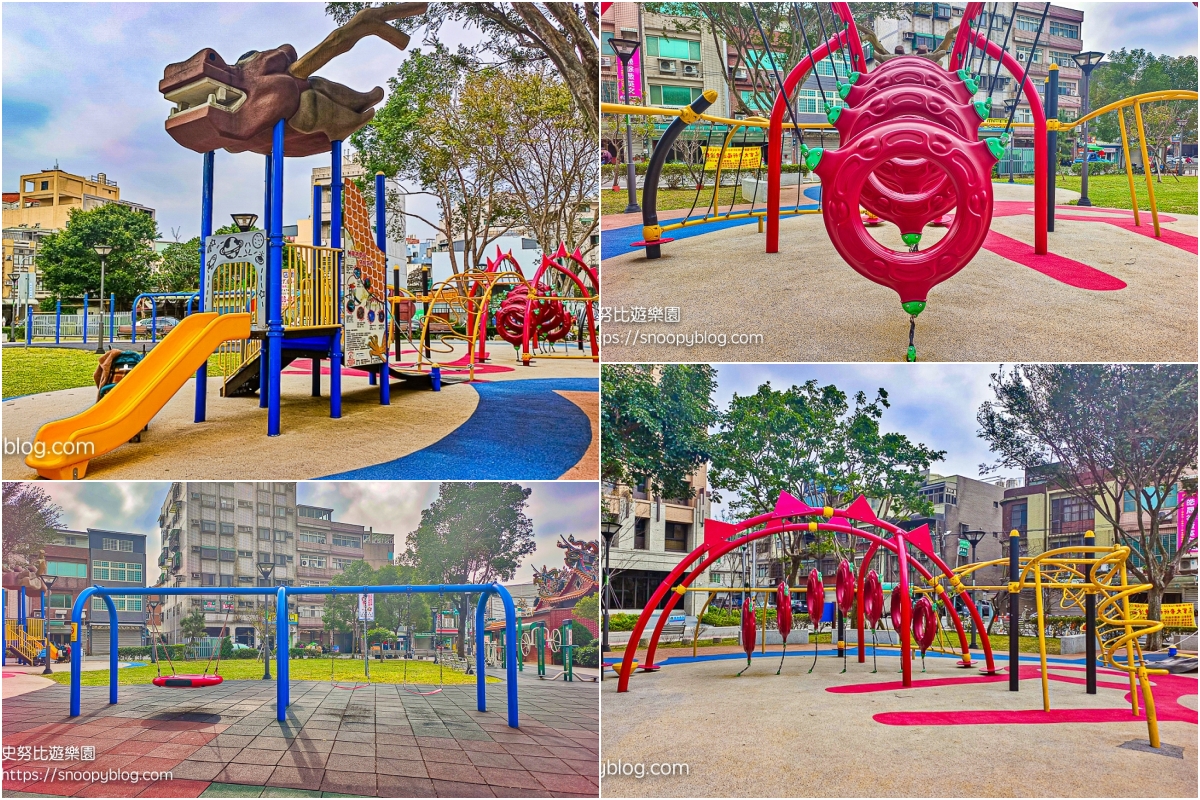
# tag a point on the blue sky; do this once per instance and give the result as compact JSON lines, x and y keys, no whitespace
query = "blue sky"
{"x":557,"y":508}
{"x":934,"y":404}
{"x":80,"y":87}
{"x":1158,"y":27}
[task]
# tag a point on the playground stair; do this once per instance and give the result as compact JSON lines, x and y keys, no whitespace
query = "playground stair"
{"x":20,"y":643}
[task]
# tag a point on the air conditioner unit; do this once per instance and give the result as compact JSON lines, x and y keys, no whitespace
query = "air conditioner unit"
{"x":196,"y":575}
{"x":741,"y":74}
{"x":691,"y":70}
{"x":606,"y":61}
{"x":60,"y":614}
{"x":909,"y":34}
{"x":666,"y":65}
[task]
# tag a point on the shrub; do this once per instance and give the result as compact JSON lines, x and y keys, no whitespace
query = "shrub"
{"x":580,"y":635}
{"x":622,"y":622}
{"x":588,"y":655}
{"x":226,"y":648}
{"x":246,"y":654}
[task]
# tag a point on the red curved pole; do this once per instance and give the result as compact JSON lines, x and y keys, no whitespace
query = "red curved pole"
{"x":862,"y":577}
{"x":905,"y":613}
{"x":858,"y":59}
{"x":775,"y":131}
{"x":987,"y":643}
{"x":963,"y":38}
{"x":529,"y":298}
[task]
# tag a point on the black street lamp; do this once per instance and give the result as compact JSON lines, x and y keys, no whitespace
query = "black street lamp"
{"x":266,"y":570}
{"x":244,"y":222}
{"x":48,"y":582}
{"x":102,"y":250}
{"x":1087,"y":62}
{"x":1009,"y":106}
{"x":609,"y":528}
{"x":974,"y":537}
{"x":625,"y":50}
{"x":151,"y":610}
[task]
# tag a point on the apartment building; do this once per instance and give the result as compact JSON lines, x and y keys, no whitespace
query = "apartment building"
{"x":325,"y":548}
{"x":656,"y":533}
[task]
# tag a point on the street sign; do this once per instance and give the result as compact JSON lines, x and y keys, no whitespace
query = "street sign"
{"x":366,"y":608}
{"x":26,"y":288}
{"x":964,"y":548}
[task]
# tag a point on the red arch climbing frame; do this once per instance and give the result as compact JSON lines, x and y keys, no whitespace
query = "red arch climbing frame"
{"x":721,"y":538}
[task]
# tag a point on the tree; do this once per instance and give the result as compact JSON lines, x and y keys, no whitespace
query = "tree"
{"x":178,"y":268}
{"x":1108,"y":434}
{"x":809,"y":441}
{"x":70,"y":267}
{"x":546,"y":157}
{"x":566,"y":34}
{"x":30,"y":519}
{"x":472,"y":533}
{"x":734,"y":25}
{"x":341,"y":610}
{"x":654,"y":425}
{"x":423,"y":133}
{"x":1126,"y":73}
{"x":193,"y":626}
{"x":587,"y":608}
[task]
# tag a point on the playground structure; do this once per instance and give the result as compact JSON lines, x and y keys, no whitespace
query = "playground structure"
{"x":27,"y":638}
{"x":264,"y":302}
{"x":281,"y":594}
{"x":909,"y":153}
{"x":1094,"y":578}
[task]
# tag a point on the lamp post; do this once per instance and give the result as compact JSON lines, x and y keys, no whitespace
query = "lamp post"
{"x":1087,"y":62}
{"x":266,"y":570}
{"x":152,"y":608}
{"x":974,"y":537}
{"x":1009,"y":105}
{"x":244,"y":222}
{"x":625,"y":50}
{"x":48,"y":582}
{"x":609,"y":528}
{"x":102,"y":250}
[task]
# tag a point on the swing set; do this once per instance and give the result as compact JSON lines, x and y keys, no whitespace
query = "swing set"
{"x":187,"y":681}
{"x":485,"y":591}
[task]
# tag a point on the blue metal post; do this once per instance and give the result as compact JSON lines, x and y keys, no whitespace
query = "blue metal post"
{"x":85,"y":305}
{"x":112,"y":317}
{"x":510,"y":654}
{"x":114,"y":644}
{"x":385,"y":383}
{"x":29,"y":323}
{"x":206,"y":212}
{"x":275,"y":283}
{"x":22,"y":618}
{"x":480,"y":646}
{"x":81,"y":602}
{"x":264,"y":359}
{"x":335,"y":241}
{"x":57,"y":321}
{"x":316,"y":240}
{"x":282,"y":646}
{"x":153,"y":321}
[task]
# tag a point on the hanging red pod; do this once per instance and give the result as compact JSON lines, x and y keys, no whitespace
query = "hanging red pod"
{"x":187,"y":681}
{"x":815,"y":595}
{"x":897,"y":606}
{"x":872,"y":598}
{"x":845,"y":587}
{"x":749,"y":626}
{"x":783,"y":610}
{"x":924,"y":623}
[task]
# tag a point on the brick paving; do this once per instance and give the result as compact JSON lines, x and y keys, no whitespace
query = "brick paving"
{"x":375,"y":741}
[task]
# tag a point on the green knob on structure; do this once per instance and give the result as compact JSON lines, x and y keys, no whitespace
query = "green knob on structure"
{"x":972,"y":86}
{"x":832,"y":113}
{"x":963,"y":74}
{"x":912,"y":354}
{"x":853,"y":78}
{"x":911,"y":239}
{"x":843,"y":90}
{"x":813,"y":157}
{"x":914,"y":307}
{"x":983,"y":108}
{"x":995,"y":146}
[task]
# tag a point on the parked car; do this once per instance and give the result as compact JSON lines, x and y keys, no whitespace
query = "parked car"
{"x":165,"y":324}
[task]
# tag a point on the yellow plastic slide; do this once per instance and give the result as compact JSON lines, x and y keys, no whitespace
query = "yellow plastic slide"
{"x":63,"y":449}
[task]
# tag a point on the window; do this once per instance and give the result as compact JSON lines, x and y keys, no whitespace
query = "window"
{"x":1071,"y":509}
{"x":940,"y":494}
{"x":752,"y":100}
{"x":228,"y":555}
{"x":1020,"y":517}
{"x":66,"y":569}
{"x":312,"y":561}
{"x":117,"y":571}
{"x":208,"y":500}
{"x":673,"y":95}
{"x":810,"y":101}
{"x":347,"y":541}
{"x":312,"y":611}
{"x":639,"y":533}
{"x":45,"y":186}
{"x":925,"y":39}
{"x":264,"y":509}
{"x":208,"y":525}
{"x":1023,"y":55}
{"x":264,"y":558}
{"x":1064,"y":30}
{"x":227,"y":504}
{"x":1068,"y":89}
{"x":227,"y":528}
{"x":280,"y":560}
{"x":281,"y":511}
{"x":314,"y":513}
{"x":60,"y":601}
{"x":677,"y":536}
{"x":227,"y":580}
{"x":662,"y":47}
{"x":314,"y":538}
{"x":208,"y":579}
{"x":1150,"y":499}
{"x":245,"y":553}
{"x":121,"y":545}
{"x":1029,"y":23}
{"x":342,"y":563}
{"x":758,"y":59}
{"x":941,"y":10}
{"x":280,"y":536}
{"x":208,"y":552}
{"x":264,"y":534}
{"x":121,"y":602}
{"x":1063,"y":59}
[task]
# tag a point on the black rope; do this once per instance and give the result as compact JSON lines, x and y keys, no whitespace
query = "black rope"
{"x":983,"y":56}
{"x":737,"y":175}
{"x":1003,"y":49}
{"x":825,"y":38}
{"x":843,"y":46}
{"x":775,"y":69}
{"x":808,"y":47}
{"x":1012,"y":112}
{"x":700,"y":183}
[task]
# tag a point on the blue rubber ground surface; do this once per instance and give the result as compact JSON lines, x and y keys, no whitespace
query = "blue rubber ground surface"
{"x":617,"y":241}
{"x":521,"y":430}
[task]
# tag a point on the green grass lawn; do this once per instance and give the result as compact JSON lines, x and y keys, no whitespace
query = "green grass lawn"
{"x":1173,"y":196}
{"x":42,"y":369}
{"x":949,"y":641}
{"x":300,"y":669}
{"x":668,"y":199}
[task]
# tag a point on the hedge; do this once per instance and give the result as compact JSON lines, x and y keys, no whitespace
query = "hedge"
{"x":622,"y":622}
{"x":588,"y":655}
{"x":678,"y":175}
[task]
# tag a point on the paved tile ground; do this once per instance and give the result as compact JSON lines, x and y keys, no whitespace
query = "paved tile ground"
{"x":375,"y":741}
